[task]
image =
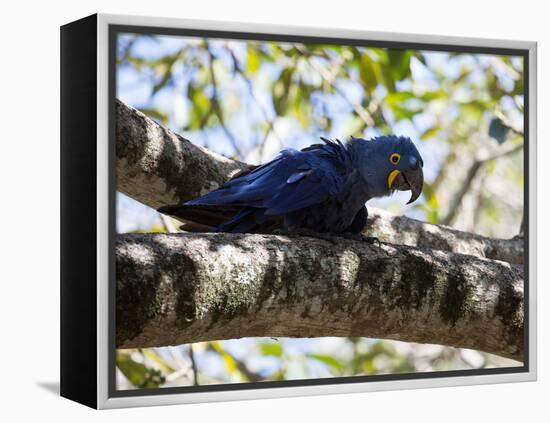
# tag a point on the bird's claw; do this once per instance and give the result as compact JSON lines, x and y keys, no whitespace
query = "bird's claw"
{"x":319,"y":235}
{"x":361,"y":238}
{"x":327,"y":236}
{"x":372,"y":240}
{"x":307,"y":232}
{"x":282,"y":232}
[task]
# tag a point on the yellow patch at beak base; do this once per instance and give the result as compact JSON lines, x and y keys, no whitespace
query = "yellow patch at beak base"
{"x":391,"y":177}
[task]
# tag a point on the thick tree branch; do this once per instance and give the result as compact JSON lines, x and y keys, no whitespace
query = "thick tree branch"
{"x":180,"y":288}
{"x":158,"y":167}
{"x":406,"y":231}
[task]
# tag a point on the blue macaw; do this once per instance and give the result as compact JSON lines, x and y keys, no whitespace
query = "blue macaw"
{"x":321,"y":189}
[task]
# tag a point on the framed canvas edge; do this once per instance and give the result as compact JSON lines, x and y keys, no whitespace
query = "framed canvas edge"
{"x":104,"y":401}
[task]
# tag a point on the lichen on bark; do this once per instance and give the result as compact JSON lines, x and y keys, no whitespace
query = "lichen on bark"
{"x":197,"y":287}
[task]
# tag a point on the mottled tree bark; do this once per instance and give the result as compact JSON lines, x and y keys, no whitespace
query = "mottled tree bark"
{"x":158,"y":167}
{"x":180,"y":288}
{"x":406,"y":231}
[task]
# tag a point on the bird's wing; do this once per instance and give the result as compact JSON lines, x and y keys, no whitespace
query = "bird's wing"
{"x":292,"y":181}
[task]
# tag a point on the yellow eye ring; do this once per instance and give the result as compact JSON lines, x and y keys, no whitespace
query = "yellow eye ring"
{"x":394,"y":158}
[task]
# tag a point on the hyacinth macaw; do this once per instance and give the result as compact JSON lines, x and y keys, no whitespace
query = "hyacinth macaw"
{"x":321,"y":189}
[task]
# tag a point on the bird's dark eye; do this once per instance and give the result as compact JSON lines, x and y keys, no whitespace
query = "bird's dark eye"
{"x":395,"y":157}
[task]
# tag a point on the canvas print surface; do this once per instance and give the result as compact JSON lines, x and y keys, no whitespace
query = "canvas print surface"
{"x":263,"y":263}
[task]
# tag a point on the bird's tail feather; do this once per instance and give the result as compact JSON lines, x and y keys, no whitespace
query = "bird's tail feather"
{"x":217,"y":219}
{"x":199,"y":218}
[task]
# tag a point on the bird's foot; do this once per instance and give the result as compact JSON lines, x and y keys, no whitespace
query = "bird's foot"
{"x":360,"y":237}
{"x":281,"y":232}
{"x":326,"y":236}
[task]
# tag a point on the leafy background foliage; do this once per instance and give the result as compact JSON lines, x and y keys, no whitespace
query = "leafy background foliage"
{"x":249,"y":99}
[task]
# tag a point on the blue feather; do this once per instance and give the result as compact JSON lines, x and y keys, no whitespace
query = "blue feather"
{"x":323,"y":187}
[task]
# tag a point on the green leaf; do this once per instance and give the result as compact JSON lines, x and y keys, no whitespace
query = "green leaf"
{"x":399,"y":103}
{"x":471,"y":112}
{"x":433,"y":216}
{"x":464,"y":73}
{"x":419,"y":56}
{"x":430,"y":132}
{"x":274,"y":349}
{"x":498,"y":130}
{"x":229,"y":361}
{"x":399,"y":97}
{"x":399,"y":61}
{"x":138,"y":62}
{"x":253,"y":60}
{"x":201,"y":106}
{"x":434,"y":95}
{"x":402,"y":113}
{"x":495,"y":89}
{"x":387,"y":77}
{"x":368,"y":69}
{"x":518,"y":86}
{"x":158,"y":360}
{"x":377,"y":62}
{"x":138,"y":374}
{"x":281,"y":90}
{"x":299,"y":97}
{"x":329,"y":360}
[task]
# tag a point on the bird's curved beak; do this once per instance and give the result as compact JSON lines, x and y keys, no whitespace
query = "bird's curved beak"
{"x":410,"y":180}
